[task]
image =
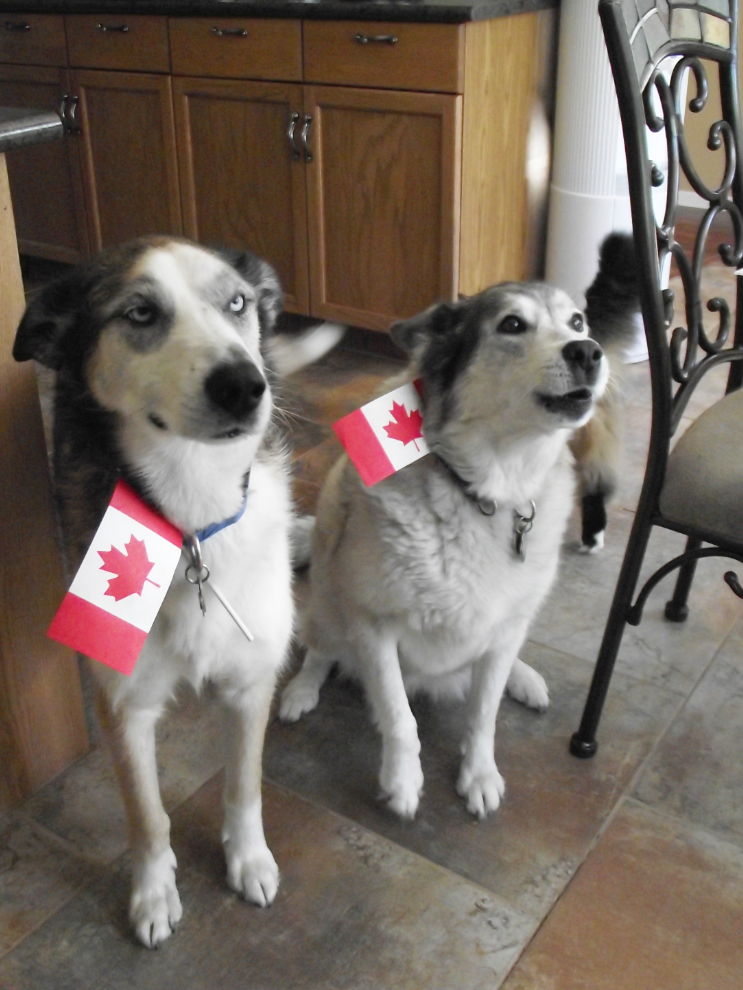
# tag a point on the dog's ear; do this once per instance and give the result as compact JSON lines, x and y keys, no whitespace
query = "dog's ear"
{"x":43,"y":331}
{"x":261,"y":275}
{"x":436,"y":321}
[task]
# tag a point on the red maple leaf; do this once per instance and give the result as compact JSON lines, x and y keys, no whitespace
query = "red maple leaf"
{"x":407,"y":425}
{"x":131,"y":569}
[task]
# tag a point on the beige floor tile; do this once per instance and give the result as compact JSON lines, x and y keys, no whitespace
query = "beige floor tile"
{"x":657,"y":906}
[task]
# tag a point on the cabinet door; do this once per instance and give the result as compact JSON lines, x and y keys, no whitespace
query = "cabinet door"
{"x":128,"y":155}
{"x":383,"y":190}
{"x":45,"y":181}
{"x":242,"y":185}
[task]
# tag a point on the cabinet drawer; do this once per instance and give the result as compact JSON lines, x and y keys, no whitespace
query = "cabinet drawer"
{"x":236,"y":48}
{"x":112,"y":41}
{"x":32,"y":39}
{"x":427,"y":57}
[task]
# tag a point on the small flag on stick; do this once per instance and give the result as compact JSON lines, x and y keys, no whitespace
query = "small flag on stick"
{"x":385,"y":435}
{"x":121,"y":583}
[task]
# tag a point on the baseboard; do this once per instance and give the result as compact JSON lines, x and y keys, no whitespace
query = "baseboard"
{"x":687,"y":197}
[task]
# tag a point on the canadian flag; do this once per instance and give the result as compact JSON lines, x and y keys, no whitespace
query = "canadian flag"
{"x":384,"y":435}
{"x":121,"y":583}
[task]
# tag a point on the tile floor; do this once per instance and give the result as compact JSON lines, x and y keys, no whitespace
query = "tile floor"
{"x":624,"y":872}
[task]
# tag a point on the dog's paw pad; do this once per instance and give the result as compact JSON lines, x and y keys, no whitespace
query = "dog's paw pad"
{"x":528,"y":686}
{"x":155,"y":907}
{"x":254,"y":877}
{"x":481,"y":790}
{"x":297,"y":700}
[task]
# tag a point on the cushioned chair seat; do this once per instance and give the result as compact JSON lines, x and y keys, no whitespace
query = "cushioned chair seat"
{"x":704,"y":482}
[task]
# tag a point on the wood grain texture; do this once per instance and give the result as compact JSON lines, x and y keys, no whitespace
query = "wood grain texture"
{"x":130,"y":173}
{"x":43,"y":44}
{"x":504,"y":70}
{"x":144,"y":47}
{"x":425,"y":57}
{"x":259,"y":200}
{"x":270,"y":49}
{"x":383,"y":197}
{"x":45,"y":179}
{"x":42,"y":725}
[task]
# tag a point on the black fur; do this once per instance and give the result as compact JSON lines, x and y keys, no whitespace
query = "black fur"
{"x":594,"y":517}
{"x":612,"y":299}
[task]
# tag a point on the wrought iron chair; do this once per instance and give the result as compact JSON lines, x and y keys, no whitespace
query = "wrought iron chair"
{"x":697,"y":487}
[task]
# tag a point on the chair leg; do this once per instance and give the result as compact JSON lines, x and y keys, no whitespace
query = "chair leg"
{"x":676,"y":609}
{"x":583,"y":743}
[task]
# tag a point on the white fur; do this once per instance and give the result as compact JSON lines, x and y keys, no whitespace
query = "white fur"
{"x":412,"y":587}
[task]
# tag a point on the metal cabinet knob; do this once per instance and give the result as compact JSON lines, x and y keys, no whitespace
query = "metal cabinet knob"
{"x":113,"y":28}
{"x":230,"y":32}
{"x":376,"y":39}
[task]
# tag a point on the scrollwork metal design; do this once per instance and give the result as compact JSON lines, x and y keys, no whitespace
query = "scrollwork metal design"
{"x":693,"y":349}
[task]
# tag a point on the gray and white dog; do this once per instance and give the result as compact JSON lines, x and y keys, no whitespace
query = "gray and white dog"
{"x":428,"y":580}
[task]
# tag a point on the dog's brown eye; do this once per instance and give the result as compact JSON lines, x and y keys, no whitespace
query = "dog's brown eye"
{"x":576,"y":321}
{"x":140,"y":315}
{"x":237,"y":304}
{"x":512,"y":324}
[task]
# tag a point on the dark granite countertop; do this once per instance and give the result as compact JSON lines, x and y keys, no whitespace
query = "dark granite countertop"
{"x":22,"y":127}
{"x":442,"y":11}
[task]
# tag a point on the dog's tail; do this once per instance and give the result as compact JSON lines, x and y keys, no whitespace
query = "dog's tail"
{"x":290,"y":352}
{"x":612,"y":299}
{"x":612,"y":308}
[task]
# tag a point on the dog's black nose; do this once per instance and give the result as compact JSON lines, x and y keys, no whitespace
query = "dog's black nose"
{"x":236,"y":387}
{"x":583,"y":358}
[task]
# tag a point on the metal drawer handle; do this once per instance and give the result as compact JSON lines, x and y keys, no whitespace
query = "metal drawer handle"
{"x":68,"y":111}
{"x":230,"y":32}
{"x":17,"y":26}
{"x":304,"y":136}
{"x":113,"y":28}
{"x":376,"y":39}
{"x":296,"y":154}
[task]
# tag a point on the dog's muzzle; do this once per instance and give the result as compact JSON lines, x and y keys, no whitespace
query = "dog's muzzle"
{"x":583,"y":358}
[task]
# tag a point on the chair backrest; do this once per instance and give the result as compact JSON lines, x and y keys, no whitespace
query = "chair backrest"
{"x":699,"y":38}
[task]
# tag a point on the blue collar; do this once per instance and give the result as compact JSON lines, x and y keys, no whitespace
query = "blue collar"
{"x":204,"y":534}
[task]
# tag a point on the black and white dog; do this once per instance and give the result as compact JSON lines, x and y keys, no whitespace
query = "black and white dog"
{"x":162,"y":354}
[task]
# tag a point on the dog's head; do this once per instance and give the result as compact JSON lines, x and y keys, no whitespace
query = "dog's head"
{"x":513,"y":360}
{"x":163,"y":332}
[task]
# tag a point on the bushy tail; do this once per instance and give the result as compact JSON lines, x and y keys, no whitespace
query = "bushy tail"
{"x":612,"y":299}
{"x":290,"y":352}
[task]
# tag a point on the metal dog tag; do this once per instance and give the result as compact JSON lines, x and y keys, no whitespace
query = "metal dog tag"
{"x":198,"y":573}
{"x":521,"y":526}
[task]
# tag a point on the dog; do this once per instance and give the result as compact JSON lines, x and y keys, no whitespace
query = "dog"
{"x":162,"y":353}
{"x":612,"y":309}
{"x":428,"y":580}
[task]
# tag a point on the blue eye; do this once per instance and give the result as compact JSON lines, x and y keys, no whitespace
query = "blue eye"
{"x":141,"y":315}
{"x":237,"y":304}
{"x":512,"y":325}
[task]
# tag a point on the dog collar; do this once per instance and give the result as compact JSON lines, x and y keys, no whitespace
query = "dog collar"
{"x":488,"y":507}
{"x":204,"y":534}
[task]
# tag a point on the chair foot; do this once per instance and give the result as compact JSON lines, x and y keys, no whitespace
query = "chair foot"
{"x":584,"y":749}
{"x":675,"y":612}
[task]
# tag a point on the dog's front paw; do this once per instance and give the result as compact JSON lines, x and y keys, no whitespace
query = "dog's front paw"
{"x":253,"y":875}
{"x":401,"y":779}
{"x":298,"y":697}
{"x":527,"y":686}
{"x":481,"y":787}
{"x":155,"y":907}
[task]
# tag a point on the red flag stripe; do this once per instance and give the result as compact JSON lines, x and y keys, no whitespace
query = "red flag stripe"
{"x":96,"y":633}
{"x":363,"y":448}
{"x":126,"y":501}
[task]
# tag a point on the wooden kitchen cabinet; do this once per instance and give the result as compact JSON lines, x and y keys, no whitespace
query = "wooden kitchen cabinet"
{"x":130,"y":172}
{"x":45,"y":179}
{"x":258,"y":200}
{"x":383,"y":202}
{"x":120,"y":76}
